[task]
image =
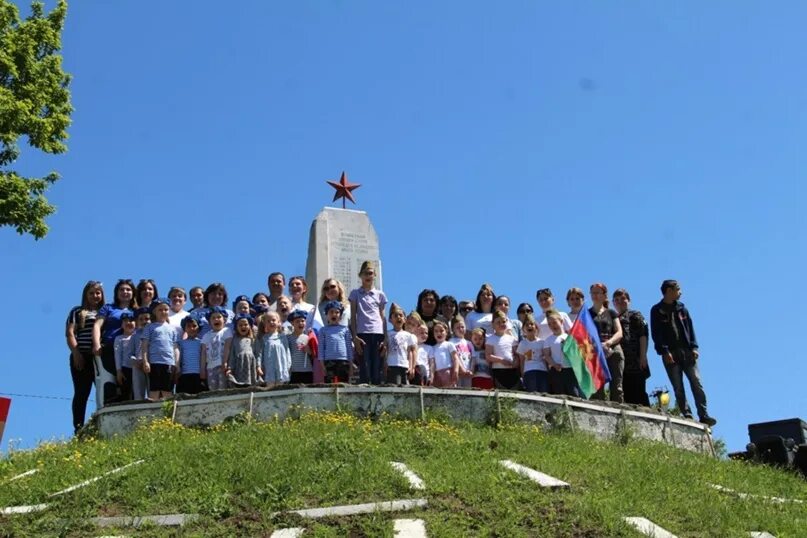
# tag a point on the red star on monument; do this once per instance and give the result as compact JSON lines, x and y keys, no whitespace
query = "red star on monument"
{"x":343,"y":188}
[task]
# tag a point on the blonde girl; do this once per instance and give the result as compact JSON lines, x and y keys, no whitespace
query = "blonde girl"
{"x":463,"y":372}
{"x":272,"y":356}
{"x":444,"y":357}
{"x":240,"y":364}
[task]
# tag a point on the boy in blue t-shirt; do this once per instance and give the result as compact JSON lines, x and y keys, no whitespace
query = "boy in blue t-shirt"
{"x":160,"y":351}
{"x":335,"y":345}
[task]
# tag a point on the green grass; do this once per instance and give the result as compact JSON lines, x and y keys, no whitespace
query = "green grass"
{"x":237,"y":475}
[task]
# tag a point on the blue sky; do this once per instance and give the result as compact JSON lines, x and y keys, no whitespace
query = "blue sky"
{"x":537,"y":144}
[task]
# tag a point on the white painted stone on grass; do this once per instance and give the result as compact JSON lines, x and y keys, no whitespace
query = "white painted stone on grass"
{"x":648,"y":528}
{"x":26,"y":509}
{"x":96,"y":479}
{"x":758,"y":534}
{"x":742,"y":495}
{"x":414,"y":480}
{"x":544,"y":480}
{"x":21,"y":475}
{"x":165,"y":520}
{"x":410,"y":528}
{"x":291,"y":532}
{"x":354,"y":509}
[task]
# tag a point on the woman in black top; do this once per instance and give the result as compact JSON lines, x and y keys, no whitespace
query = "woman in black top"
{"x":610,"y":330}
{"x":427,"y":308}
{"x":78,"y":332}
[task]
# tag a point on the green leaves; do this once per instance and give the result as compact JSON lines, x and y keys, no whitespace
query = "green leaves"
{"x":23,"y":204}
{"x":34,"y":102}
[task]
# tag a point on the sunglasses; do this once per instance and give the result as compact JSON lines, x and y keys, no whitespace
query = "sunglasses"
{"x":331,"y":287}
{"x":525,"y":311}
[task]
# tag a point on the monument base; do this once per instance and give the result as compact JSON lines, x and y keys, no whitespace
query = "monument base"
{"x":603,"y":420}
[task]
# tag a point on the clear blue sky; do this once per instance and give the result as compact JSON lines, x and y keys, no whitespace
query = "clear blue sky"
{"x":536,"y":144}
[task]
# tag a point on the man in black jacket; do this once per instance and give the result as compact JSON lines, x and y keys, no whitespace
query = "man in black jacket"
{"x":674,"y":339}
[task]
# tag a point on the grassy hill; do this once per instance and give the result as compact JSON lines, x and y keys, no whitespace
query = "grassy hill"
{"x":237,"y":475}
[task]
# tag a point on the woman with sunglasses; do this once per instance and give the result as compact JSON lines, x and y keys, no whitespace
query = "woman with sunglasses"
{"x":332,"y":290}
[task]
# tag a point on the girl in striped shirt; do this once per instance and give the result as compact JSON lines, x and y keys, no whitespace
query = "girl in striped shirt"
{"x":190,"y":357}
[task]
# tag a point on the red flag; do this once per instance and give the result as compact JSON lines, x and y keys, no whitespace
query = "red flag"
{"x":5,"y":403}
{"x":316,"y":364}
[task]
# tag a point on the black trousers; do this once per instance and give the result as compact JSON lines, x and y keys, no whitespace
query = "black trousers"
{"x":634,"y":385}
{"x":83,"y":381}
{"x":189,"y":384}
{"x":397,"y":375}
{"x":506,"y":378}
{"x":337,"y":370}
{"x":302,"y":378}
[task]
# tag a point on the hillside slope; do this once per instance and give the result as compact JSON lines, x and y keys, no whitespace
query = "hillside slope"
{"x":236,"y":476}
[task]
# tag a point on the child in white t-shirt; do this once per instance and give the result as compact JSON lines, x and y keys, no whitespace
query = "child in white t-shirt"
{"x":401,"y":349}
{"x":534,"y":372}
{"x":553,"y":353}
{"x":413,"y":321}
{"x":213,"y":342}
{"x":422,"y":373}
{"x":500,"y":348}
{"x":443,"y":360}
{"x":463,"y":373}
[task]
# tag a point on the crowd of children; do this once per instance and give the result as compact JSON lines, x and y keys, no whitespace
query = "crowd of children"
{"x":156,"y":347}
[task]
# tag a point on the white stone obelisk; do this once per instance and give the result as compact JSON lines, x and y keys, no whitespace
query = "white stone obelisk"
{"x":339,"y":241}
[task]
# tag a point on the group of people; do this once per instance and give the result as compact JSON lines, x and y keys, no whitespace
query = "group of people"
{"x":155,"y":346}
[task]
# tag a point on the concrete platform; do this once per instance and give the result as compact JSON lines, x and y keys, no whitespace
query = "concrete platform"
{"x":604,"y":420}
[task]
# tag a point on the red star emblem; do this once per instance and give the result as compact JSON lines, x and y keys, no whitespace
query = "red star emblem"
{"x":343,"y":188}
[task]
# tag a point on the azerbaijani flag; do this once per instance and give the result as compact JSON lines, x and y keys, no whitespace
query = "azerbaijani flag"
{"x":584,"y":352}
{"x":5,"y":403}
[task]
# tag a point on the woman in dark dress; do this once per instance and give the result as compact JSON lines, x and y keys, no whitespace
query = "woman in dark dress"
{"x":610,"y":330}
{"x":427,"y":309}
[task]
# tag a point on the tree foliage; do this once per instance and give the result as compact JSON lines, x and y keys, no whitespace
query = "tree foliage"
{"x":34,"y":102}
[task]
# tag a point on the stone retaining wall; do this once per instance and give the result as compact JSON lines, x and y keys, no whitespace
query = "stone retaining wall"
{"x":602,"y":419}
